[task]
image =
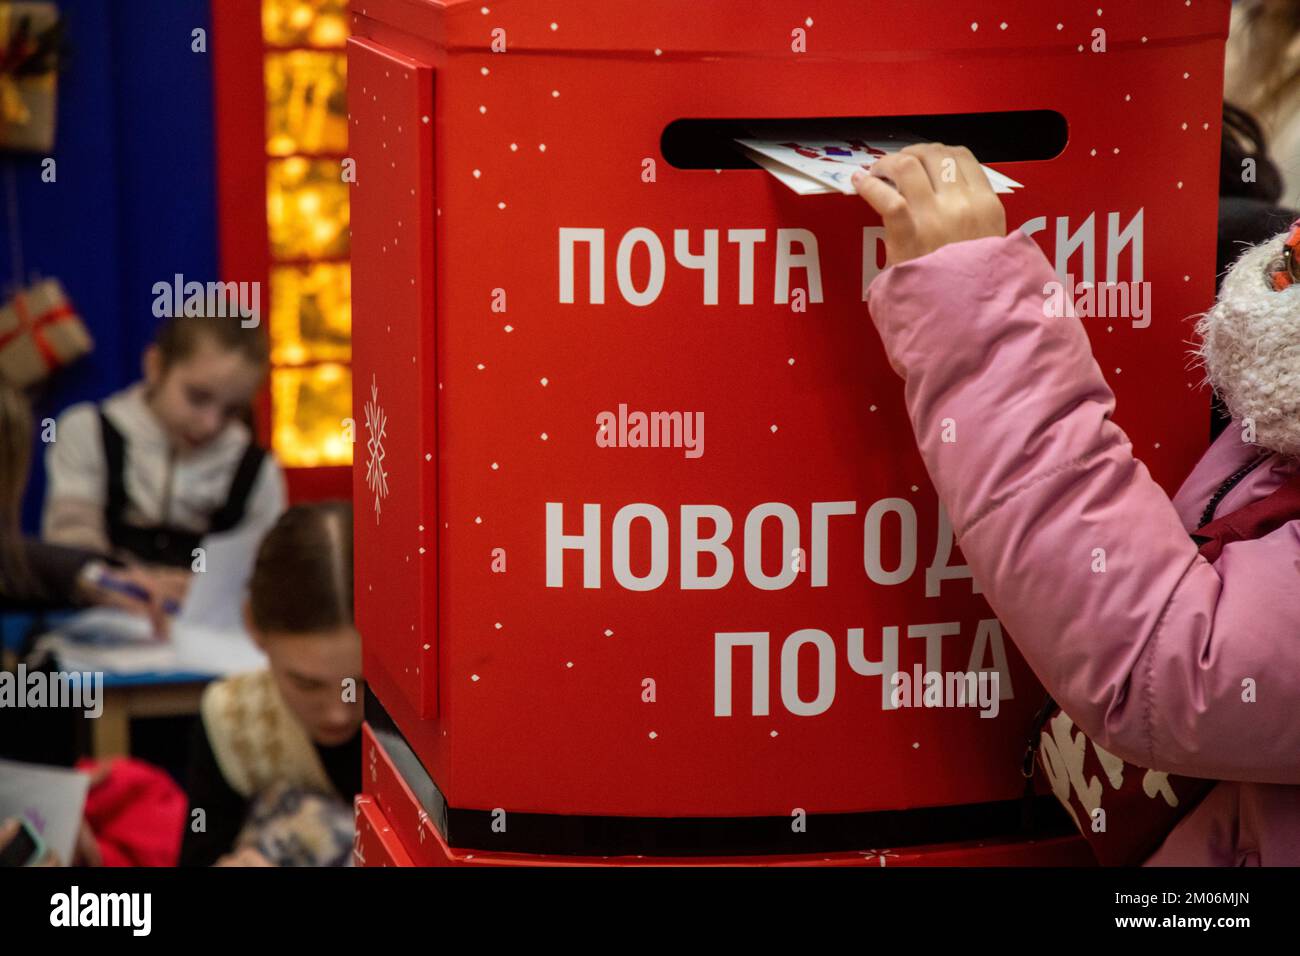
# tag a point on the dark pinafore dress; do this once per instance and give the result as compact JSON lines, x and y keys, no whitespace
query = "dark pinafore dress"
{"x":162,"y":543}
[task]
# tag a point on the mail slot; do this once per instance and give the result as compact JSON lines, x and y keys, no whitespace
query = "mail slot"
{"x":642,"y":534}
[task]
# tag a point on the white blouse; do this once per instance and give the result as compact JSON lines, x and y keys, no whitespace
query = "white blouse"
{"x":180,"y":492}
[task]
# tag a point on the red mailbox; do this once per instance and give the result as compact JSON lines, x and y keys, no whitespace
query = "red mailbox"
{"x":641,"y":532}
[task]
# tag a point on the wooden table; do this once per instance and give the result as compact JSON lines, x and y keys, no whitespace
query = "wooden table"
{"x":125,"y":696}
{"x":141,"y":695}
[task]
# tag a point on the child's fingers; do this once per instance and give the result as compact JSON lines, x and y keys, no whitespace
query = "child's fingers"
{"x":940,"y":164}
{"x":159,"y":620}
{"x":907,"y":171}
{"x":169,"y":584}
{"x":880,"y":196}
{"x":974,"y":173}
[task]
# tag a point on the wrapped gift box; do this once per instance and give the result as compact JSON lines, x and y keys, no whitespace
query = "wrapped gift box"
{"x":40,"y":331}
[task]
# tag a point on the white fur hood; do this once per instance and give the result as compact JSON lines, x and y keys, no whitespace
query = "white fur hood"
{"x":1250,"y":347}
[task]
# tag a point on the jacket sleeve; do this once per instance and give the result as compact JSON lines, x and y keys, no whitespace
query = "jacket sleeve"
{"x":55,"y":569}
{"x":1160,"y":657}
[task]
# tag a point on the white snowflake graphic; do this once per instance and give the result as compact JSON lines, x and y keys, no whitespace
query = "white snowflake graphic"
{"x":881,"y":855}
{"x":376,"y":426}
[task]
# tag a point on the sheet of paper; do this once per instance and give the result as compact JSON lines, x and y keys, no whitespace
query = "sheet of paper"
{"x":207,"y":636}
{"x":219,"y":652}
{"x":216,"y":595}
{"x":829,"y":156}
{"x":801,"y":184}
{"x":116,"y":642}
{"x":51,"y":798}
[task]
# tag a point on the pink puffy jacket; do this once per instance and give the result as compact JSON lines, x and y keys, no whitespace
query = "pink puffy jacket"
{"x":1148,"y":658}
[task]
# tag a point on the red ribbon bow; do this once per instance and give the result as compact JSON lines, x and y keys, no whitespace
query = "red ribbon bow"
{"x":36,"y":327}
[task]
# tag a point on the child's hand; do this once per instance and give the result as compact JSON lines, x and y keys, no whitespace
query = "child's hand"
{"x":136,"y":589}
{"x":172,"y":584}
{"x":943,"y":196}
{"x":245,"y":856}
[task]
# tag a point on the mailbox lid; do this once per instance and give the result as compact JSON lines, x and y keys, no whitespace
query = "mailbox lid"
{"x":829,"y":27}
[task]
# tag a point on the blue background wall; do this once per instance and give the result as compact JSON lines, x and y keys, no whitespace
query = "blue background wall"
{"x":134,"y":201}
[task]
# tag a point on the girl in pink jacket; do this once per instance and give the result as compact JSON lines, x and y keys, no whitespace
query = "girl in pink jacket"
{"x":1166,"y":660}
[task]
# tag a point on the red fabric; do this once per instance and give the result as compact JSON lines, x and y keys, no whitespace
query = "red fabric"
{"x":1253,"y":521}
{"x":136,"y":813}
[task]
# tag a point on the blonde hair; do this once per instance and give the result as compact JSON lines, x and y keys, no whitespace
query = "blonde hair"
{"x":1270,"y":70}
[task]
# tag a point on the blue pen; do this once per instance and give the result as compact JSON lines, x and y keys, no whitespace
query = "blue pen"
{"x":132,"y":590}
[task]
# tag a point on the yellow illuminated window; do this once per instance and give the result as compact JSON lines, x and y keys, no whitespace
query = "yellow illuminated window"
{"x":305,"y":75}
{"x":306,"y":103}
{"x":318,"y":23}
{"x":310,"y":407}
{"x":311,"y":313}
{"x":306,"y":208}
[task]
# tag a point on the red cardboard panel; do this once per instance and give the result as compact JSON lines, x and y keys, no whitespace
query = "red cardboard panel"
{"x":390,"y":100}
{"x":382,"y":782}
{"x":375,"y":844}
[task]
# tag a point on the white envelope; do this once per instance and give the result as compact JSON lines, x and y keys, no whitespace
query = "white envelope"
{"x":828,"y":156}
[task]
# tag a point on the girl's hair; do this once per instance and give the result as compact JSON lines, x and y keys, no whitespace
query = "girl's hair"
{"x":1244,"y":139}
{"x":1268,"y":72}
{"x":302,"y":580}
{"x":15,"y":456}
{"x":179,"y":337}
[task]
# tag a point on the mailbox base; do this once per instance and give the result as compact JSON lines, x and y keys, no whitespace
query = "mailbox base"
{"x":389,"y":806}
